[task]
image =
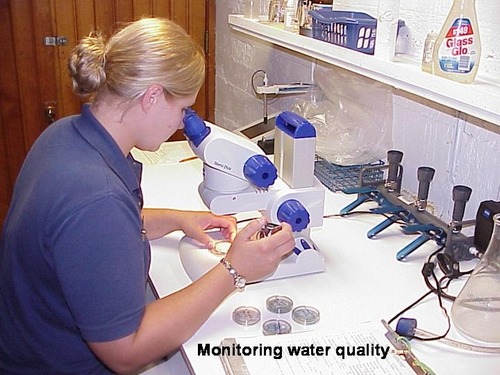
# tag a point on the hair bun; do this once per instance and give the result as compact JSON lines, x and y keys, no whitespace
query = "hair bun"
{"x":87,"y":65}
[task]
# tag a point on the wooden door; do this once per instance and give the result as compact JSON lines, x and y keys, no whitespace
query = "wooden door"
{"x":33,"y":76}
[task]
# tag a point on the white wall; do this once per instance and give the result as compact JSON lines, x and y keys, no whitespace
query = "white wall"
{"x":463,"y":150}
{"x":428,"y":15}
{"x":237,"y":58}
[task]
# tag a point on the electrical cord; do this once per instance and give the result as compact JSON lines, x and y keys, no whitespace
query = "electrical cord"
{"x":346,"y":214}
{"x":399,"y":221}
{"x":331,"y":216}
{"x":448,"y":266}
{"x":325,"y":216}
{"x":443,"y":310}
{"x":450,"y":274}
{"x":252,"y":80}
{"x":412,"y":305}
{"x":438,"y":289}
{"x":423,"y":335}
{"x":428,"y":271}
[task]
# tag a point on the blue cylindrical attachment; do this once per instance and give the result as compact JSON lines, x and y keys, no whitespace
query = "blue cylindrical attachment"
{"x":295,"y":214}
{"x":406,"y":327}
{"x":195,"y":128}
{"x":259,"y":171}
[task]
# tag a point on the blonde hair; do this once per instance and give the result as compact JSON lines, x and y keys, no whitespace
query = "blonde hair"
{"x":148,"y":51}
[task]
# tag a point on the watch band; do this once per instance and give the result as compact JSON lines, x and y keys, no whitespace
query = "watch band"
{"x":239,"y":281}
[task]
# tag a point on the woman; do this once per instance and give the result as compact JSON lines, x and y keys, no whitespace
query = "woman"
{"x":74,"y":255}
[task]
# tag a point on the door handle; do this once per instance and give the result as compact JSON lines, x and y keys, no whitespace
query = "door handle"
{"x":50,"y":113}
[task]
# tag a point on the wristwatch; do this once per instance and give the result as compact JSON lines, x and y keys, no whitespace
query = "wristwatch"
{"x":239,"y":281}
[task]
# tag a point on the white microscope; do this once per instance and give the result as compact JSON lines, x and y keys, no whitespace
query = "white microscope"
{"x":238,"y":177}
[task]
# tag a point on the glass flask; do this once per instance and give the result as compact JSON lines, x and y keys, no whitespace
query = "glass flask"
{"x":476,"y":310}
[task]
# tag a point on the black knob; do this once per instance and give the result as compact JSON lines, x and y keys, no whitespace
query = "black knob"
{"x":424,"y":177}
{"x":394,"y":158}
{"x":461,"y":195}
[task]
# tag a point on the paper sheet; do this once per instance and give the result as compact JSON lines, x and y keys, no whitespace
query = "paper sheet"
{"x":364,"y":351}
{"x":168,"y":153}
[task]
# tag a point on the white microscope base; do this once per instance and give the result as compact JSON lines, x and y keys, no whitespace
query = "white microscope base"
{"x":198,"y":260}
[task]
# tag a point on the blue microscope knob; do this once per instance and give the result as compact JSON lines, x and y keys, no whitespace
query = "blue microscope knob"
{"x":195,"y":128}
{"x":295,"y":214}
{"x":259,"y":171}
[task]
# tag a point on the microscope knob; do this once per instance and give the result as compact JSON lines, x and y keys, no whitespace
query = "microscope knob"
{"x":195,"y":128}
{"x":295,"y":214}
{"x":259,"y":171}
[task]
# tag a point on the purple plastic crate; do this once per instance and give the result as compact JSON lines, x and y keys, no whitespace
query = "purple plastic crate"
{"x":353,"y":30}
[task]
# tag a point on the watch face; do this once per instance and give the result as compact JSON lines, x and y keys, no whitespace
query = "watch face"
{"x":240,"y":282}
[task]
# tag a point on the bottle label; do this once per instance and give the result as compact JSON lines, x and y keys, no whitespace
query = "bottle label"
{"x":458,"y":51}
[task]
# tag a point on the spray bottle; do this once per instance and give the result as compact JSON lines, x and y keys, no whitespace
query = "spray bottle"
{"x":290,"y":18}
{"x":457,"y":50}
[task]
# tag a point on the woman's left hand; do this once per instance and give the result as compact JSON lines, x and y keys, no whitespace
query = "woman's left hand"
{"x":195,"y":223}
{"x":160,"y":222}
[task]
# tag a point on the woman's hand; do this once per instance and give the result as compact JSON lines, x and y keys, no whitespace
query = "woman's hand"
{"x":159,"y":222}
{"x":195,"y":223}
{"x":252,"y":258}
{"x":257,"y":258}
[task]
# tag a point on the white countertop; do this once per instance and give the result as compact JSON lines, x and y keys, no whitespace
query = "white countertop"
{"x":362,"y":281}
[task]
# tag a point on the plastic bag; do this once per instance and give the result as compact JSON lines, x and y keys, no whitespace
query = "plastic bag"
{"x":354,"y":120}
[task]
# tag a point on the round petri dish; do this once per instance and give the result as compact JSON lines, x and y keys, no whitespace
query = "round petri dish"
{"x":305,"y":315}
{"x":276,"y":327}
{"x":221,"y":247}
{"x":246,"y":315}
{"x":279,"y":304}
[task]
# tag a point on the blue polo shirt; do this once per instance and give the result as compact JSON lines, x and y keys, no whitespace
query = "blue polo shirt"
{"x":73,"y":261}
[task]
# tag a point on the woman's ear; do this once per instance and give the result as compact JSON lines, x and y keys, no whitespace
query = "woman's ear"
{"x":151,"y":96}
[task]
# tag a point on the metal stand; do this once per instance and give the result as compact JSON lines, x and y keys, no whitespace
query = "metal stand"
{"x":415,"y":219}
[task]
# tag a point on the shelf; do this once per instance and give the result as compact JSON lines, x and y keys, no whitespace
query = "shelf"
{"x":480,"y":99}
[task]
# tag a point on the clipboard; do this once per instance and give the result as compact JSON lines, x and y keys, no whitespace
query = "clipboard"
{"x":400,"y":358}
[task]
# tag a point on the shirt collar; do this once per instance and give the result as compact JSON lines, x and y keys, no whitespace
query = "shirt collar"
{"x":127,"y":168}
